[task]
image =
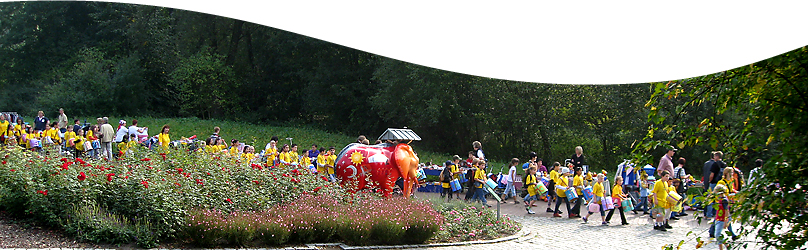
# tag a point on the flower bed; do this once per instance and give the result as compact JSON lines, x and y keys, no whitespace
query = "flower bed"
{"x":467,"y":222}
{"x":197,"y":198}
{"x":319,"y":219}
{"x":147,"y":196}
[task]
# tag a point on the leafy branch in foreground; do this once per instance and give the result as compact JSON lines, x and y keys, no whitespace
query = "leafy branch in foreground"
{"x":755,"y":111}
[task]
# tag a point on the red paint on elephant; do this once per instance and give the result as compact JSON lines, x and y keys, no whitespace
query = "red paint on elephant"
{"x":382,"y":164}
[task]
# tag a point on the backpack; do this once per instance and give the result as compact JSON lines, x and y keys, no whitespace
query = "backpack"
{"x":470,"y":177}
{"x":446,"y":175}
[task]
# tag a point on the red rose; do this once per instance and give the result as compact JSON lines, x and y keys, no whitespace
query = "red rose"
{"x":12,"y":170}
{"x":64,"y":166}
{"x":228,"y":200}
{"x":199,"y":181}
{"x":109,"y":176}
{"x":45,"y":192}
{"x":179,"y":170}
{"x":317,"y":189}
{"x":145,"y":159}
{"x":256,"y":182}
{"x":4,"y":162}
{"x":145,"y":183}
{"x":82,"y":176}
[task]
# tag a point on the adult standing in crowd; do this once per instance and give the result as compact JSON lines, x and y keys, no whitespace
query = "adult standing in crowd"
{"x":705,"y":173}
{"x":62,"y":121}
{"x":478,"y":150}
{"x":122,"y":130}
{"x":313,"y":153}
{"x":716,"y":169}
{"x":578,"y":158}
{"x":40,"y":121}
{"x":107,"y":137}
{"x":666,"y":162}
{"x":136,"y":133}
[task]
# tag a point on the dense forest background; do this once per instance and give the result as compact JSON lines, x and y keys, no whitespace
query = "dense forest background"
{"x":113,"y":59}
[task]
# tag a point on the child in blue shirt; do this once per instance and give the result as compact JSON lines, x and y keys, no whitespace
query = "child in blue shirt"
{"x":645,"y":182}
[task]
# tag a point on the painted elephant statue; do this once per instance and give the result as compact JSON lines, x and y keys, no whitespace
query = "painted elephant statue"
{"x":382,"y":164}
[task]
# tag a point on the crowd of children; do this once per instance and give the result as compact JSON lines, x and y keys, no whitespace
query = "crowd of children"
{"x":88,"y":140}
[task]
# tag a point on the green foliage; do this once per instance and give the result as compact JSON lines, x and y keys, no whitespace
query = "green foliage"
{"x":204,"y":85}
{"x":755,"y":111}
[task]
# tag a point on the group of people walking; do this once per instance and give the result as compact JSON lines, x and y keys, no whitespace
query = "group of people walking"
{"x":661,"y":194}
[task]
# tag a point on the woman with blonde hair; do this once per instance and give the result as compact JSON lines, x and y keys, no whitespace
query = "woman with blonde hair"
{"x":577,"y":159}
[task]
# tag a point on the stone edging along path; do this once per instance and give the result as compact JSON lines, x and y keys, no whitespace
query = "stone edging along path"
{"x":317,"y":246}
{"x":521,"y":233}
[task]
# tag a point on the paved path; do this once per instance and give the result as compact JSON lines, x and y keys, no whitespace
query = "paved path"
{"x":546,"y":232}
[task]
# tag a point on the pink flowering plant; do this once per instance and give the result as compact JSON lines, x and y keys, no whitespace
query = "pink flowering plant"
{"x":466,"y":222}
{"x":319,"y":218}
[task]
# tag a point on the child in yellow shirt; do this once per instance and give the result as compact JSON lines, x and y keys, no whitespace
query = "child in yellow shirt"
{"x":551,"y":190}
{"x":54,"y":134}
{"x":321,"y":161}
{"x":479,"y":179}
{"x":293,"y":156}
{"x":597,"y":190}
{"x":617,"y":195}
{"x":78,"y":143}
{"x":249,"y":154}
{"x":306,"y":162}
{"x":561,"y":185}
{"x":578,"y":184}
{"x":532,"y":192}
{"x":123,"y":146}
{"x":331,"y":162}
{"x":5,"y":132}
{"x":271,"y":152}
{"x":284,"y":157}
{"x":660,"y":195}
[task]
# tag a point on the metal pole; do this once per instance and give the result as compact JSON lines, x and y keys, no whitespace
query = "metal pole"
{"x":498,"y":203}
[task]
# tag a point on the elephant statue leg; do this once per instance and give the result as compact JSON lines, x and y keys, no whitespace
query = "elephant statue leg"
{"x":407,"y":163}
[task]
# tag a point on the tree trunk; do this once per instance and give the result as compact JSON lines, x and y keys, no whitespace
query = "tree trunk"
{"x":234,"y":39}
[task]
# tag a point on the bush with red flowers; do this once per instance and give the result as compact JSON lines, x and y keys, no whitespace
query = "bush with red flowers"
{"x":146,"y":197}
